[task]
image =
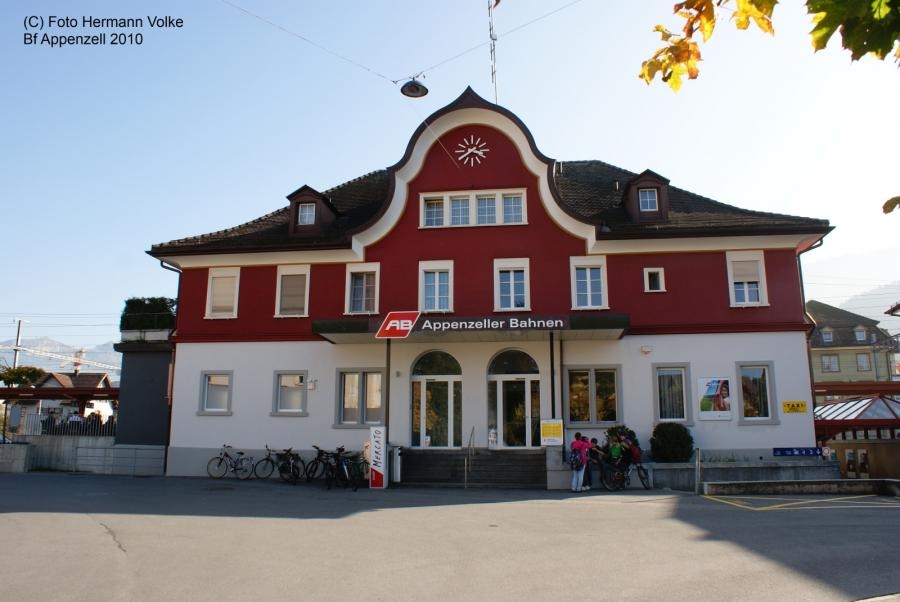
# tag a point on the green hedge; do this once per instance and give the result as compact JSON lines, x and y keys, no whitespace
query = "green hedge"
{"x":148,"y":313}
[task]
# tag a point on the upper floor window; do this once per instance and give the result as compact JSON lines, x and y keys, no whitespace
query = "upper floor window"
{"x":292,"y":291}
{"x":647,"y":197}
{"x":863,"y":363}
{"x":860,"y":334}
{"x":362,"y":288}
{"x":827,"y":337}
{"x":588,"y":278}
{"x":831,"y":363}
{"x":472,"y":208}
{"x":306,"y":214}
{"x":511,"y":285}
{"x":654,"y":280}
{"x":222,"y":292}
{"x":436,"y":285}
{"x":746,"y":278}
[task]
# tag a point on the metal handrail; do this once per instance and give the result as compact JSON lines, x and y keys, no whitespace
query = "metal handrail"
{"x":470,"y":455}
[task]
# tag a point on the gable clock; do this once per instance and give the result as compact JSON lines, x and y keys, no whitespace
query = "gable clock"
{"x":471,"y":151}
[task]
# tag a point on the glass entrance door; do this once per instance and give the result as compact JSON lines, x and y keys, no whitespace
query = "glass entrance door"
{"x":436,"y":413}
{"x":518,"y":402}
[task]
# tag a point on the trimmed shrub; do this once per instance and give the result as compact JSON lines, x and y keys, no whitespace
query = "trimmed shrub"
{"x":671,"y":442}
{"x":617,"y":431}
{"x":148,"y":313}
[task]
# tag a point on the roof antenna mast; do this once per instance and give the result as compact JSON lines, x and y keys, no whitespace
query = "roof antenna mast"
{"x":491,"y":5}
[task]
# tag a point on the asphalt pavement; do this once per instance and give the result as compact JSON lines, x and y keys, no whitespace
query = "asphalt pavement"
{"x":89,"y":537}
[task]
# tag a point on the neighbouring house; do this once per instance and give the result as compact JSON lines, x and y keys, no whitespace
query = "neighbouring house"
{"x":533,"y":289}
{"x":848,"y":347}
{"x":33,"y":417}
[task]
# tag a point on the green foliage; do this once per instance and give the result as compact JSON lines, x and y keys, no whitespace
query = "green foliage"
{"x":617,"y":431}
{"x":866,"y":26}
{"x":21,"y":376}
{"x":671,"y":442}
{"x":148,"y":313}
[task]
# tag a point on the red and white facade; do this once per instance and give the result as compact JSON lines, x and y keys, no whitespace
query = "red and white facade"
{"x":574,"y":291}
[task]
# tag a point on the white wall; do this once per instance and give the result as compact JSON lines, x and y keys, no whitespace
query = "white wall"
{"x":196,"y":437}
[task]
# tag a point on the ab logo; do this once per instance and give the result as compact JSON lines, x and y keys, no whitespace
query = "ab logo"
{"x":397,"y":325}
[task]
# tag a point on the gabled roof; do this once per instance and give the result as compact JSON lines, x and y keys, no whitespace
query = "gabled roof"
{"x":74,"y":379}
{"x":842,"y":324}
{"x":864,"y":408}
{"x":590,"y":191}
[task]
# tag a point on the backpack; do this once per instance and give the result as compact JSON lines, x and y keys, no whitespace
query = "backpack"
{"x":635,"y":453}
{"x":575,"y":462}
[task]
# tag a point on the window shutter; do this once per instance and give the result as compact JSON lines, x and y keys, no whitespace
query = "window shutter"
{"x":745,"y":271}
{"x":293,"y":294}
{"x":223,"y":294}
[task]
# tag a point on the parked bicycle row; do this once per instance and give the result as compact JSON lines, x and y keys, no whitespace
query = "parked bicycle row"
{"x":333,"y":467}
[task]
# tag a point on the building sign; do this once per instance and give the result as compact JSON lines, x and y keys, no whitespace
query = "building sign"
{"x":551,"y":432}
{"x":793,"y":407}
{"x":797,"y":451}
{"x":397,"y":325}
{"x":429,"y":324}
{"x":378,"y":457}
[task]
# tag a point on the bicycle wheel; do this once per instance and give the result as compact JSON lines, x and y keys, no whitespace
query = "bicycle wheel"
{"x":244,"y":468}
{"x":355,"y":477}
{"x":284,"y":470}
{"x":217,"y":467}
{"x":264,"y":468}
{"x":315,"y":470}
{"x":644,"y":476}
{"x":330,"y":474}
{"x":611,"y":478}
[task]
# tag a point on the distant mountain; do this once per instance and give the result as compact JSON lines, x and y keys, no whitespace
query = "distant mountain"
{"x":103,"y":353}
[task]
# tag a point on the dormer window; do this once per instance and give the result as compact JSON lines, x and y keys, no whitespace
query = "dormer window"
{"x":648,"y":199}
{"x":306,"y":214}
{"x":827,"y":337}
{"x":860,"y":334}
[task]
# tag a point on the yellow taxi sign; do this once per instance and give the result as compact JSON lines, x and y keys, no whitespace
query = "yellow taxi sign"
{"x":793,"y":407}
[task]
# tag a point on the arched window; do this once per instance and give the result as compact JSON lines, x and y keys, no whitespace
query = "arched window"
{"x":513,"y":362}
{"x":436,"y":401}
{"x":436,"y":363}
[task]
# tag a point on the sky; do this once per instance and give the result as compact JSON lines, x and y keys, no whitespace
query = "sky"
{"x":107,"y":150}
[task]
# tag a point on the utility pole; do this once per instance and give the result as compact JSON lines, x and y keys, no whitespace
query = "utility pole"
{"x":18,"y":344}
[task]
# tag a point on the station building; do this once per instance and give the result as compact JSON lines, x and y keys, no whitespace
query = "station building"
{"x":539,"y":289}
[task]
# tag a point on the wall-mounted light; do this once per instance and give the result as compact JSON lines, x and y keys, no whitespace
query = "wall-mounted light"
{"x":646,"y":349}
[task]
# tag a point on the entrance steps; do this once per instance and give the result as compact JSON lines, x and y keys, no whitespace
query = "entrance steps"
{"x":501,"y":468}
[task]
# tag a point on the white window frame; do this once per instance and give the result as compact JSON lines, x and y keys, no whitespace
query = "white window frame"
{"x":757,"y":256}
{"x":772,"y":418}
{"x":827,"y":337}
{"x":649,"y":209}
{"x":591,"y":261}
{"x":859,"y":334}
{"x":300,"y":214}
{"x":509,"y":264}
{"x":357,"y":268}
{"x":291,"y":270}
{"x":204,"y":409}
{"x":662,"y":280}
{"x":435,"y":266}
{"x":277,"y":410}
{"x":472,"y":197}
{"x":831,"y":367}
{"x":222,"y":273}
{"x":363,"y":421}
{"x":868,"y":362}
{"x":688,"y":394}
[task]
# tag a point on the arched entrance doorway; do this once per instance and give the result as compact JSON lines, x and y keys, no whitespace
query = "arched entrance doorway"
{"x":436,"y":401}
{"x":514,"y":400}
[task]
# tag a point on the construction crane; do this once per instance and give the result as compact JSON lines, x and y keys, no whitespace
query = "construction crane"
{"x":77,"y":360}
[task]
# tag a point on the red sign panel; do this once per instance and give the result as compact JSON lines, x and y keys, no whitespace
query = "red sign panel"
{"x":397,"y":325}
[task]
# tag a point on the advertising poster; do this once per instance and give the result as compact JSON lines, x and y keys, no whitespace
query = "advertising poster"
{"x":715,"y":398}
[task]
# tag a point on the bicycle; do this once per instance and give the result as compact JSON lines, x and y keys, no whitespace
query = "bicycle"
{"x":240,"y":464}
{"x":315,"y":469}
{"x":614,"y":477}
{"x":290,"y":465}
{"x":265,"y":467}
{"x":342,"y":468}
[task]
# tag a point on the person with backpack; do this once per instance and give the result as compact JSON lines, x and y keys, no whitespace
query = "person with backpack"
{"x":578,"y":460}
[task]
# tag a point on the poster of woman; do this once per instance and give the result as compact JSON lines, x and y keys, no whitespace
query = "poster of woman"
{"x":715,"y":400}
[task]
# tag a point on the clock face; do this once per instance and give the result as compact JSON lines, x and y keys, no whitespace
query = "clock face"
{"x":471,"y":151}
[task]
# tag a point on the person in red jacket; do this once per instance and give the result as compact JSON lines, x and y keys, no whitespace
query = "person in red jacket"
{"x":579,"y":446}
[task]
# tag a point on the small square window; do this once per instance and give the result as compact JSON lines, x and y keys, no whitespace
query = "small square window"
{"x":860,"y":334}
{"x":215,"y":393}
{"x":831,"y":363}
{"x":290,"y":394}
{"x":306,"y":214}
{"x":827,"y":337}
{"x":654,"y":280}
{"x":648,"y":199}
{"x":512,"y":209}
{"x":487,"y":210}
{"x":434,"y":212}
{"x":459,"y":212}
